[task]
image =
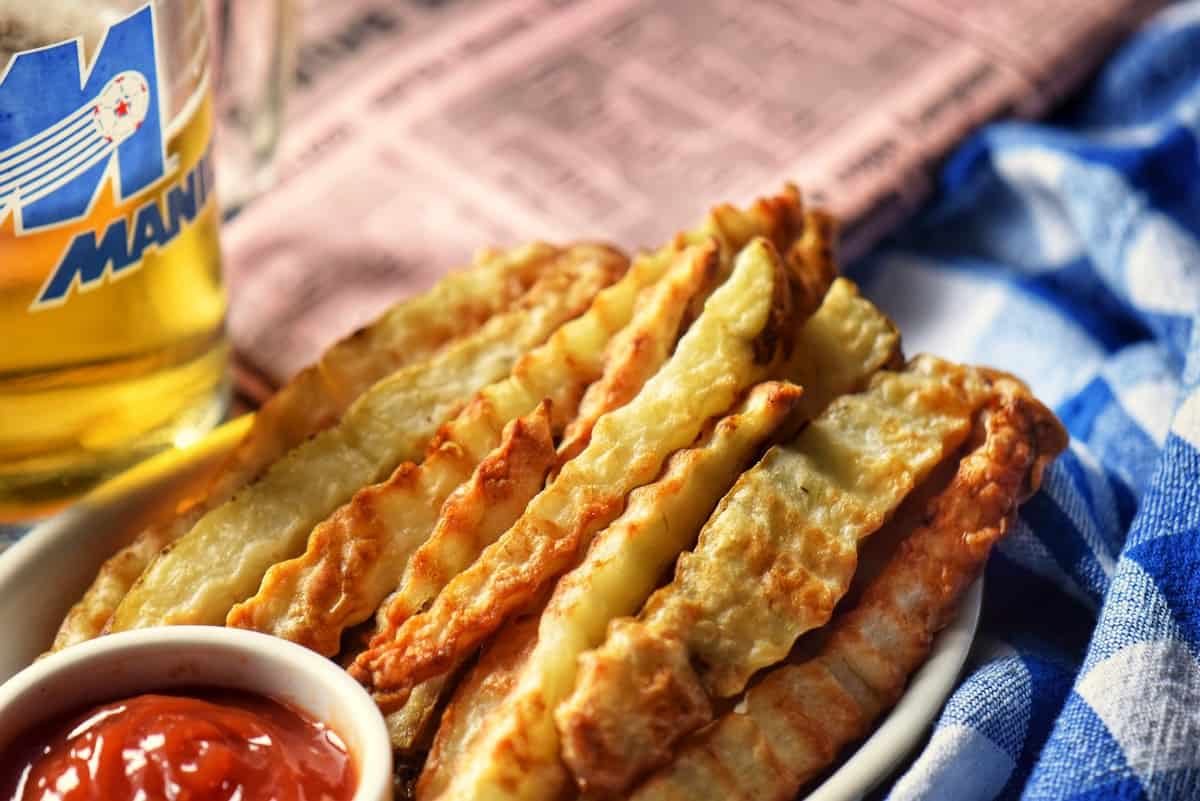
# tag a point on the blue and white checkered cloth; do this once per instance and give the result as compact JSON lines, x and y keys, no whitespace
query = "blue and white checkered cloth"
{"x":1069,"y":254}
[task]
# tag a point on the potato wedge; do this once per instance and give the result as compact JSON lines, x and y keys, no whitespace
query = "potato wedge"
{"x":729,"y":347}
{"x":316,"y":397}
{"x":516,"y":754}
{"x":792,"y":724}
{"x":223,"y":558}
{"x":770,"y":564}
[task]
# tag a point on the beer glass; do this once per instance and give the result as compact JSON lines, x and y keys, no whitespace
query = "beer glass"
{"x":111,"y":303}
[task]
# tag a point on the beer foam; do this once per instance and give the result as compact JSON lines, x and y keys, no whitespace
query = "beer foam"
{"x":25,"y":25}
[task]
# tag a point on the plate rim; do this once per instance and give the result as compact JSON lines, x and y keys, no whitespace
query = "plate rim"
{"x":905,"y":725}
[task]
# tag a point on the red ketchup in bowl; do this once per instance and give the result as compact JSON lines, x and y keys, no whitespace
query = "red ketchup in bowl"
{"x":199,"y":745}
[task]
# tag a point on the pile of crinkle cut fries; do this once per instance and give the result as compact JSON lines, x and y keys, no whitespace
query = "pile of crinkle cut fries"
{"x":588,"y":527}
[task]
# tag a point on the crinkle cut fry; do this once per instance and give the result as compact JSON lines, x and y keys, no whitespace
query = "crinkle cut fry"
{"x":845,"y":341}
{"x":640,"y":349}
{"x":811,"y":266}
{"x":458,"y":538}
{"x":337,"y":582}
{"x":516,"y":756}
{"x":636,"y":353}
{"x":770,"y":564}
{"x":648,"y":337}
{"x":780,"y":218}
{"x":224,"y":557}
{"x":314,"y":398}
{"x":725,"y":351}
{"x":812,"y":257}
{"x":354,"y":559}
{"x":791,"y":725}
{"x":476,"y":699}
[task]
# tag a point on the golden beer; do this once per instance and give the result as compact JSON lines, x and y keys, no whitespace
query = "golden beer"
{"x":126,"y":361}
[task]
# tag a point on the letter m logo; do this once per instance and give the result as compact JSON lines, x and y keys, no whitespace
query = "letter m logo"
{"x":64,"y":124}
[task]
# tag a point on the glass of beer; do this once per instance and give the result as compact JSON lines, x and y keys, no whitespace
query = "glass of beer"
{"x":111,"y":302}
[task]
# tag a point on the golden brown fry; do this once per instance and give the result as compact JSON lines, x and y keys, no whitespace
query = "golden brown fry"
{"x":223,"y":558}
{"x":638,"y":351}
{"x":453,"y":547}
{"x":808,"y":238}
{"x":87,"y":618}
{"x":846,"y":340}
{"x":811,"y":258}
{"x":840,"y":347}
{"x":487,"y":684}
{"x":730,"y":346}
{"x":848,"y":325}
{"x":316,"y":397}
{"x":458,"y":303}
{"x":350,"y":565}
{"x":770,"y":564}
{"x":352,"y":557}
{"x":516,"y":754}
{"x":779,"y":218}
{"x":792,"y":724}
{"x":805,"y":239}
{"x":816,"y":248}
{"x":471,"y":518}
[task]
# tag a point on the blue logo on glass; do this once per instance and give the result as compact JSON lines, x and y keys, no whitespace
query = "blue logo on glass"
{"x":64,"y":124}
{"x":66,"y":128}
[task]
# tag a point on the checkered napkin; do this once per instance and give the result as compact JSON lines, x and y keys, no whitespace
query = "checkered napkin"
{"x":1069,"y":254}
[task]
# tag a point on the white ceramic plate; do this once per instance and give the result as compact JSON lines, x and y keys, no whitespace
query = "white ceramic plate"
{"x":46,"y":571}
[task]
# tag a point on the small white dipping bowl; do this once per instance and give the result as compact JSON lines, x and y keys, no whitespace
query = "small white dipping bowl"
{"x":151,"y":660}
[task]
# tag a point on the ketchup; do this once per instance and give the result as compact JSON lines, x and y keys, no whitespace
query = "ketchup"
{"x":206,"y":745}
